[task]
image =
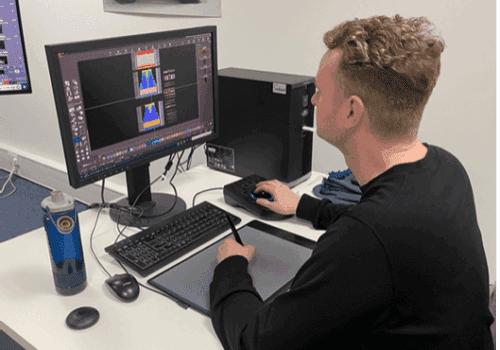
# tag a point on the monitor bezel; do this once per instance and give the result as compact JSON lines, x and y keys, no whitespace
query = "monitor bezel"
{"x":29,"y":90}
{"x":61,"y":104}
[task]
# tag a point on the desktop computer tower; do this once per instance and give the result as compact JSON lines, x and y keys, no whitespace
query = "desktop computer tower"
{"x":260,"y":128}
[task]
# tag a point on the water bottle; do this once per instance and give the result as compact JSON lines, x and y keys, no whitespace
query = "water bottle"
{"x":63,"y":235}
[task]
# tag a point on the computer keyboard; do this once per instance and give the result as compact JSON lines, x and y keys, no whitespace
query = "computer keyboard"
{"x":151,"y":249}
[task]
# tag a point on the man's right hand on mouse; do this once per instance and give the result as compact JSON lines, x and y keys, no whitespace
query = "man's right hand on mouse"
{"x":285,"y":200}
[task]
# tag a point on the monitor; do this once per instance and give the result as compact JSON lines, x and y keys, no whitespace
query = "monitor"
{"x":124,"y":102}
{"x":14,"y":75}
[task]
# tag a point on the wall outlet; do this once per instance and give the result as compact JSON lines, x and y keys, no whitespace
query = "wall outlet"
{"x":14,"y":162}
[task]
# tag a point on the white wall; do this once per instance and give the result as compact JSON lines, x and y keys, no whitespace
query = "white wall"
{"x":286,"y":36}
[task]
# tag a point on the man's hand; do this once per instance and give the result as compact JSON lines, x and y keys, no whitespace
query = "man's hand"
{"x":230,"y":247}
{"x":285,"y":201}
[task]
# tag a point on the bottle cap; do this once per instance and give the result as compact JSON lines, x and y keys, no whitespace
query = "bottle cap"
{"x":58,"y":202}
{"x":57,"y":196}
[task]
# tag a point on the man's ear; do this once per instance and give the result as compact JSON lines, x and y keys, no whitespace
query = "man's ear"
{"x":357,"y":109}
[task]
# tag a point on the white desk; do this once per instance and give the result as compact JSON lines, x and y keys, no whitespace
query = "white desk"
{"x":30,"y":305}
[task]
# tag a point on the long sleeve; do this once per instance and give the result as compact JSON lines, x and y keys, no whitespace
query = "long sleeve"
{"x":404,"y":268}
{"x":321,"y":212}
{"x":346,"y":276}
{"x":231,"y":285}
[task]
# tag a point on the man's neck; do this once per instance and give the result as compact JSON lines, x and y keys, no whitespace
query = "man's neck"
{"x":370,"y":159}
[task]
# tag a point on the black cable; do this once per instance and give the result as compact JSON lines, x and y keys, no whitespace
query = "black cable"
{"x":131,"y":209}
{"x":103,"y":205}
{"x":120,"y":233}
{"x":190,"y":157}
{"x":180,"y":165}
{"x":177,"y":166}
{"x":102,"y":191}
{"x":183,"y":305}
{"x":171,"y":184}
{"x":91,"y":248}
{"x":120,"y":208}
{"x":210,"y":189}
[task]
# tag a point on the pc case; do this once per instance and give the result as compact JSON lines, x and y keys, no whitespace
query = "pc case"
{"x":261,"y":119}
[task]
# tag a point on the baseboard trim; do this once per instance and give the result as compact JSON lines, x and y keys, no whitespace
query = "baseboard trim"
{"x":49,"y":174}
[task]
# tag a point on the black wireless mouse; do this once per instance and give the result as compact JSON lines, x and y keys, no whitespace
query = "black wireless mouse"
{"x":125,"y":287}
{"x":83,"y":317}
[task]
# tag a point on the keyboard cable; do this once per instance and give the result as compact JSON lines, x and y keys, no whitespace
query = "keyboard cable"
{"x":210,"y":189}
{"x":104,"y":205}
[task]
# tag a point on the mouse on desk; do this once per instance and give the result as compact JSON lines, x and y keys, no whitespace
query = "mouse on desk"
{"x":125,"y":287}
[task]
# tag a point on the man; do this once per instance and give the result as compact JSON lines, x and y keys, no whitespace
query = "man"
{"x":405,"y":267}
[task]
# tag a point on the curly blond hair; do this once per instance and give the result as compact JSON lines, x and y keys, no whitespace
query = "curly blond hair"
{"x":392,"y":64}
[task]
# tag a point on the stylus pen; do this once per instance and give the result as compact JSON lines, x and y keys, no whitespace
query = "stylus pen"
{"x":236,"y":235}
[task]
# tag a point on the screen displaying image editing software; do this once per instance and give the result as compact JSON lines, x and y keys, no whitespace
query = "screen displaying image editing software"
{"x":14,"y":75}
{"x":129,"y":101}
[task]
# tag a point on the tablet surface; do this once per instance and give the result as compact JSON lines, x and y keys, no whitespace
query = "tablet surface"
{"x":279,"y":255}
{"x":11,"y":340}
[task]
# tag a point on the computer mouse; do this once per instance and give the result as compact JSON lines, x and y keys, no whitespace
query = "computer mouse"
{"x":125,"y":287}
{"x":83,"y":317}
{"x":260,"y":194}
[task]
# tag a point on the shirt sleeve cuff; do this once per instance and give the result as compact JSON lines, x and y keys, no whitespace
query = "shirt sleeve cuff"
{"x":230,"y":276}
{"x":234,"y":263}
{"x":308,"y":208}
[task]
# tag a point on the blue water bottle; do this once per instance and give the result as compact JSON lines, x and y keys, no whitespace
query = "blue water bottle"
{"x":63,"y":235}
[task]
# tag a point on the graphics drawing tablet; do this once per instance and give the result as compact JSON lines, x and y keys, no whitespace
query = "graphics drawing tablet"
{"x":279,"y":256}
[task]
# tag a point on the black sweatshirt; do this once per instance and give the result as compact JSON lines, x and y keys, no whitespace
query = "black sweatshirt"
{"x":404,"y":268}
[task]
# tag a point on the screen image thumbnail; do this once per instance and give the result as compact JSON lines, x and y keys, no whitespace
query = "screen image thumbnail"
{"x":148,"y":83}
{"x":151,"y":116}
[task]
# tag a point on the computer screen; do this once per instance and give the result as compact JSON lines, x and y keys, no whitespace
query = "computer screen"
{"x":124,"y":102}
{"x":14,"y":75}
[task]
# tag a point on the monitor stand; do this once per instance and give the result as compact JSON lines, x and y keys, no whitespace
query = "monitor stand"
{"x":155,"y":205}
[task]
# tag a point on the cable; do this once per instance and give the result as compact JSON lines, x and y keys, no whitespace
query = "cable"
{"x":102,"y":190}
{"x":91,"y":248}
{"x":210,"y":189}
{"x":177,"y":166}
{"x":195,"y":148}
{"x":189,"y":159}
{"x":180,"y":303}
{"x":9,"y":179}
{"x":130,"y":209}
{"x":182,"y":168}
{"x":169,"y":165}
{"x":103,"y":205}
{"x":120,"y":208}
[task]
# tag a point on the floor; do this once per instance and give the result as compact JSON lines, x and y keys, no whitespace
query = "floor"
{"x":21,"y":212}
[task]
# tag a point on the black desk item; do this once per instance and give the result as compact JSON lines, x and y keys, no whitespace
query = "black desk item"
{"x":151,"y":249}
{"x":240,"y":194}
{"x":125,"y":287}
{"x":82,"y":318}
{"x":279,"y":256}
{"x":261,"y":120}
{"x":234,"y":230}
